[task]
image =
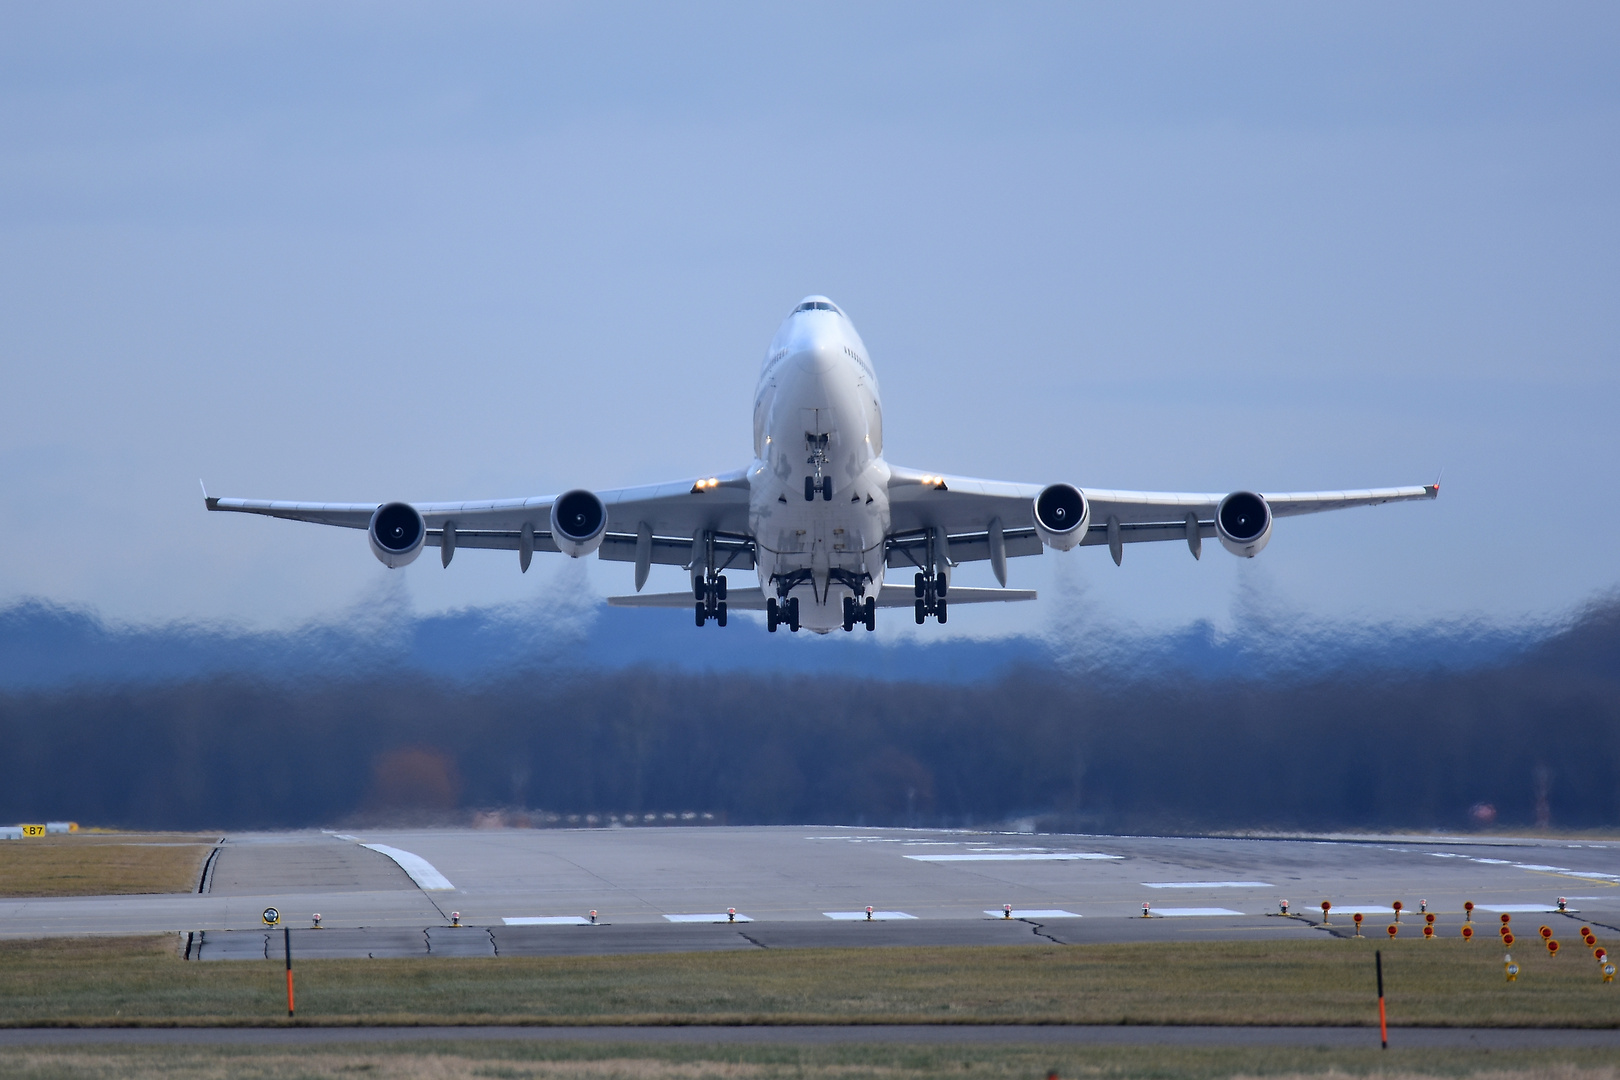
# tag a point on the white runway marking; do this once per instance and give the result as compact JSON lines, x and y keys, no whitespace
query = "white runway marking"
{"x":1347,"y":910}
{"x":419,"y":869}
{"x":1178,"y":912}
{"x":1209,"y":885}
{"x":1065,"y":856}
{"x":721,"y":917}
{"x":548,"y":920}
{"x":1518,"y":909}
{"x":860,"y":916}
{"x":1036,"y":913}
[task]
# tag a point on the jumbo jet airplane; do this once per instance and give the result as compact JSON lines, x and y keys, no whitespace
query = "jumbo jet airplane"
{"x":819,"y":514}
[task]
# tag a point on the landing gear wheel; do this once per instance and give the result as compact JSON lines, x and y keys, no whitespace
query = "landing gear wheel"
{"x":870,"y":613}
{"x":702,"y":614}
{"x":793,"y":614}
{"x":773,"y":615}
{"x":720,"y":589}
{"x":918,"y":585}
{"x":826,"y":489}
{"x":939,"y":611}
{"x":940,"y":585}
{"x":849,"y":614}
{"x":809,"y":489}
{"x":921,"y":613}
{"x":720,"y":613}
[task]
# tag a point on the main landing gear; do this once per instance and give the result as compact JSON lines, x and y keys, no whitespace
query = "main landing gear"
{"x":711,"y":599}
{"x":860,"y":611}
{"x":930,"y":590}
{"x":813,"y":484}
{"x":782,"y":611}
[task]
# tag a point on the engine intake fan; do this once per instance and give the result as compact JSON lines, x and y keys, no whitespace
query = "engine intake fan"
{"x":396,"y":533}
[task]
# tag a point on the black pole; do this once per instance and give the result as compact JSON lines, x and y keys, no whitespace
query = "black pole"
{"x":1383,"y":1026}
{"x":287,"y":943}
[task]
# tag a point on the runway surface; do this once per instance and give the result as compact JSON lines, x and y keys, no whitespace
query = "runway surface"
{"x":834,"y":1035}
{"x":531,"y":891}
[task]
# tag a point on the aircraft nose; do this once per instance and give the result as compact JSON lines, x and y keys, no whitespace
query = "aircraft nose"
{"x":817,"y":359}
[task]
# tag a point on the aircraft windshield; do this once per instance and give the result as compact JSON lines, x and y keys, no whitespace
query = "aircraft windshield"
{"x":816,"y":305}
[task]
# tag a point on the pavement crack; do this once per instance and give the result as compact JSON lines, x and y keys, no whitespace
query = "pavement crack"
{"x":752,"y":941}
{"x":1039,"y":930}
{"x":494,"y":946}
{"x":203,"y":882}
{"x":428,"y":938}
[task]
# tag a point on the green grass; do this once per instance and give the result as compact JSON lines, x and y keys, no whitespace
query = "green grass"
{"x":1330,"y":981}
{"x":81,"y":864}
{"x":579,"y":1061}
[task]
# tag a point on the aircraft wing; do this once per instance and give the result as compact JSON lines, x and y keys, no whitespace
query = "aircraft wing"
{"x":753,"y":599}
{"x":672,"y":512}
{"x":964,"y":507}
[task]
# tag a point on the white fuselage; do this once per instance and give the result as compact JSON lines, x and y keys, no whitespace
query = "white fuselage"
{"x":817,"y":415}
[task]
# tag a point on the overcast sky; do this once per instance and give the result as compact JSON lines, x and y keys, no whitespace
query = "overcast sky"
{"x":378,"y":251}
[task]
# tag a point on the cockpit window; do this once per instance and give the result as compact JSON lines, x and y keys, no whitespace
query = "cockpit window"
{"x":816,"y":305}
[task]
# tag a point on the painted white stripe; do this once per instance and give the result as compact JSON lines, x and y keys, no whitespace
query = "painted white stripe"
{"x":1516,"y":909}
{"x":548,"y":920}
{"x":1036,"y":913}
{"x":1066,"y":856}
{"x":419,"y":869}
{"x":1179,"y":912}
{"x":1347,"y":910}
{"x":1209,"y":885}
{"x":721,"y":917}
{"x":860,"y":916}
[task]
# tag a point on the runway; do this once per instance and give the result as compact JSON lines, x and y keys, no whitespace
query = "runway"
{"x":531,"y":891}
{"x":839,"y":1035}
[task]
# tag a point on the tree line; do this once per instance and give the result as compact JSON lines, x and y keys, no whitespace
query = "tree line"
{"x":1534,"y":740}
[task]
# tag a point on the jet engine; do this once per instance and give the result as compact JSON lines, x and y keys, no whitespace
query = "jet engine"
{"x":1061,"y":516}
{"x":578,"y":520}
{"x":1243,"y":522}
{"x":396,"y":533}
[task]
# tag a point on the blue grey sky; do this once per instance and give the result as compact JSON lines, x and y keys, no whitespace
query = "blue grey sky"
{"x":422,"y":251}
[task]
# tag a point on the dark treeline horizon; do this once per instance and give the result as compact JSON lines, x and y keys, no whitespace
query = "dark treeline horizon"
{"x":1537,"y":738}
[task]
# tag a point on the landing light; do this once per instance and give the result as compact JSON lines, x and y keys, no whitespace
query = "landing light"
{"x":705,"y":485}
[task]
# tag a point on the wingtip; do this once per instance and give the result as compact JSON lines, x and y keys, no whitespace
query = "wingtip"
{"x":209,"y":501}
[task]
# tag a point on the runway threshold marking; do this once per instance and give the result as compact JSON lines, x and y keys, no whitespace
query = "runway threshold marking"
{"x":1208,"y":885}
{"x":547,"y":920}
{"x":416,"y":868}
{"x":1519,"y":909}
{"x":877,"y":916}
{"x":1186,"y":912}
{"x":1035,"y":913}
{"x":720,"y":918}
{"x":1063,"y":856}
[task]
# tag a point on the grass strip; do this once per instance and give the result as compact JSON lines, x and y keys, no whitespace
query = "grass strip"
{"x":576,"y":1061}
{"x":142,"y":981}
{"x":102,"y":865}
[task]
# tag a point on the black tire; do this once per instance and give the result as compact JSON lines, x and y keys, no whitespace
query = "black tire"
{"x":720,"y":613}
{"x":793,"y":614}
{"x":921,"y":614}
{"x":772,"y":616}
{"x":809,"y":489}
{"x":939,"y":612}
{"x":940,"y":585}
{"x":720,"y":586}
{"x":702,"y":615}
{"x":871,"y":613}
{"x":918,"y":585}
{"x":826,"y":489}
{"x":698,"y":591}
{"x":849,"y":614}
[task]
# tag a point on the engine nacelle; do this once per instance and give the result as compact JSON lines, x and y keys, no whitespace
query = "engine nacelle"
{"x":1243,"y":522}
{"x":1062,"y":516}
{"x":396,"y":533}
{"x":578,"y":521}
